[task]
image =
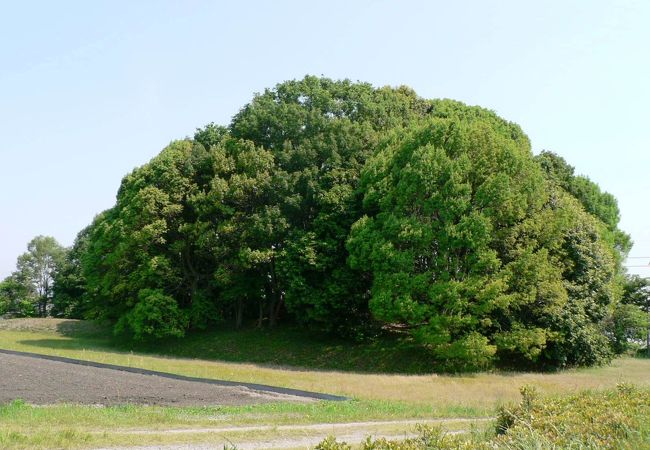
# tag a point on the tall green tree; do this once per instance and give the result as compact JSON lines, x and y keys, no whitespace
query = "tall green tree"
{"x":17,"y":299}
{"x":320,"y":132}
{"x":69,"y":298}
{"x":137,"y":266}
{"x":439,"y":203}
{"x":473,"y":251}
{"x":579,"y":270}
{"x":239,"y":225}
{"x":189,"y":230}
{"x":602,"y":205}
{"x":36,"y":268}
{"x":637,"y":294}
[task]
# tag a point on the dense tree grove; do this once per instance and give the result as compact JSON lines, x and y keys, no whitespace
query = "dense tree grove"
{"x":348,"y":208}
{"x":471,"y":247}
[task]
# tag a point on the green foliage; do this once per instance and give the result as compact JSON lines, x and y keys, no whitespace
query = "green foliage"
{"x":155,"y":315}
{"x":429,"y":437}
{"x":348,"y":208}
{"x":29,"y":290}
{"x":611,"y":419}
{"x":631,"y":319}
{"x":440,"y":200}
{"x":320,"y":133}
{"x":628,"y":324}
{"x":466,"y":240}
{"x":142,"y":244}
{"x":16,"y":297}
{"x":601,"y":205}
{"x":588,"y":420}
{"x":69,"y":290}
{"x":330,"y":443}
{"x":636,"y":291}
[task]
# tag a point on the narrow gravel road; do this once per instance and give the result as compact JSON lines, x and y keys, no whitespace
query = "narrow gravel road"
{"x":41,"y":381}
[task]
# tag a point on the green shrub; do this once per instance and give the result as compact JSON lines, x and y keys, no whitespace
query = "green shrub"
{"x":610,"y":419}
{"x":330,"y":443}
{"x":588,"y":420}
{"x":155,"y":315}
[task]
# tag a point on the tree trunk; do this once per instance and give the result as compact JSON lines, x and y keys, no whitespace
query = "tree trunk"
{"x":276,"y":297}
{"x":647,"y":344}
{"x":239,"y":313}
{"x":190,"y":274}
{"x":271,"y":308}
{"x":275,"y":314}
{"x":194,"y":287}
{"x":272,"y":318}
{"x":46,"y":293}
{"x":260,"y":318}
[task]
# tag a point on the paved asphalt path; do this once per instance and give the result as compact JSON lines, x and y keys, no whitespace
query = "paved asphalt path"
{"x":41,"y":380}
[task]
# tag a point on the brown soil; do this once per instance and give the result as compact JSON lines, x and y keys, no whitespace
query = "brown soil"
{"x":40,"y":381}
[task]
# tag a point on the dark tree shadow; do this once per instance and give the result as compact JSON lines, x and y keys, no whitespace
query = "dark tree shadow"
{"x":83,"y":329}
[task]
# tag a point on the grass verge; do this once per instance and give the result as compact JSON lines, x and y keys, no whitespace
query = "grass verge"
{"x":74,"y":426}
{"x":377,"y":396}
{"x":590,"y":420}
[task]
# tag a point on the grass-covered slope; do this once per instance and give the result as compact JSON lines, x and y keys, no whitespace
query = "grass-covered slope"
{"x":305,"y":363}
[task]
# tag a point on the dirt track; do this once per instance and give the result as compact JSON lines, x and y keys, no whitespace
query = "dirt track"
{"x":41,"y":381}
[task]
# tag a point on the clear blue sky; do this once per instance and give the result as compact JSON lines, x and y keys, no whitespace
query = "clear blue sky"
{"x":91,"y":89}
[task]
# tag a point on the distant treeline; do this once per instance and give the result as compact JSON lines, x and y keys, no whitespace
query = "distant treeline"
{"x":348,"y":208}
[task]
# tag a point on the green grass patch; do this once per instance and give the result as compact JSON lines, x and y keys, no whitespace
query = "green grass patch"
{"x":74,"y":426}
{"x":283,"y":346}
{"x":21,"y":416}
